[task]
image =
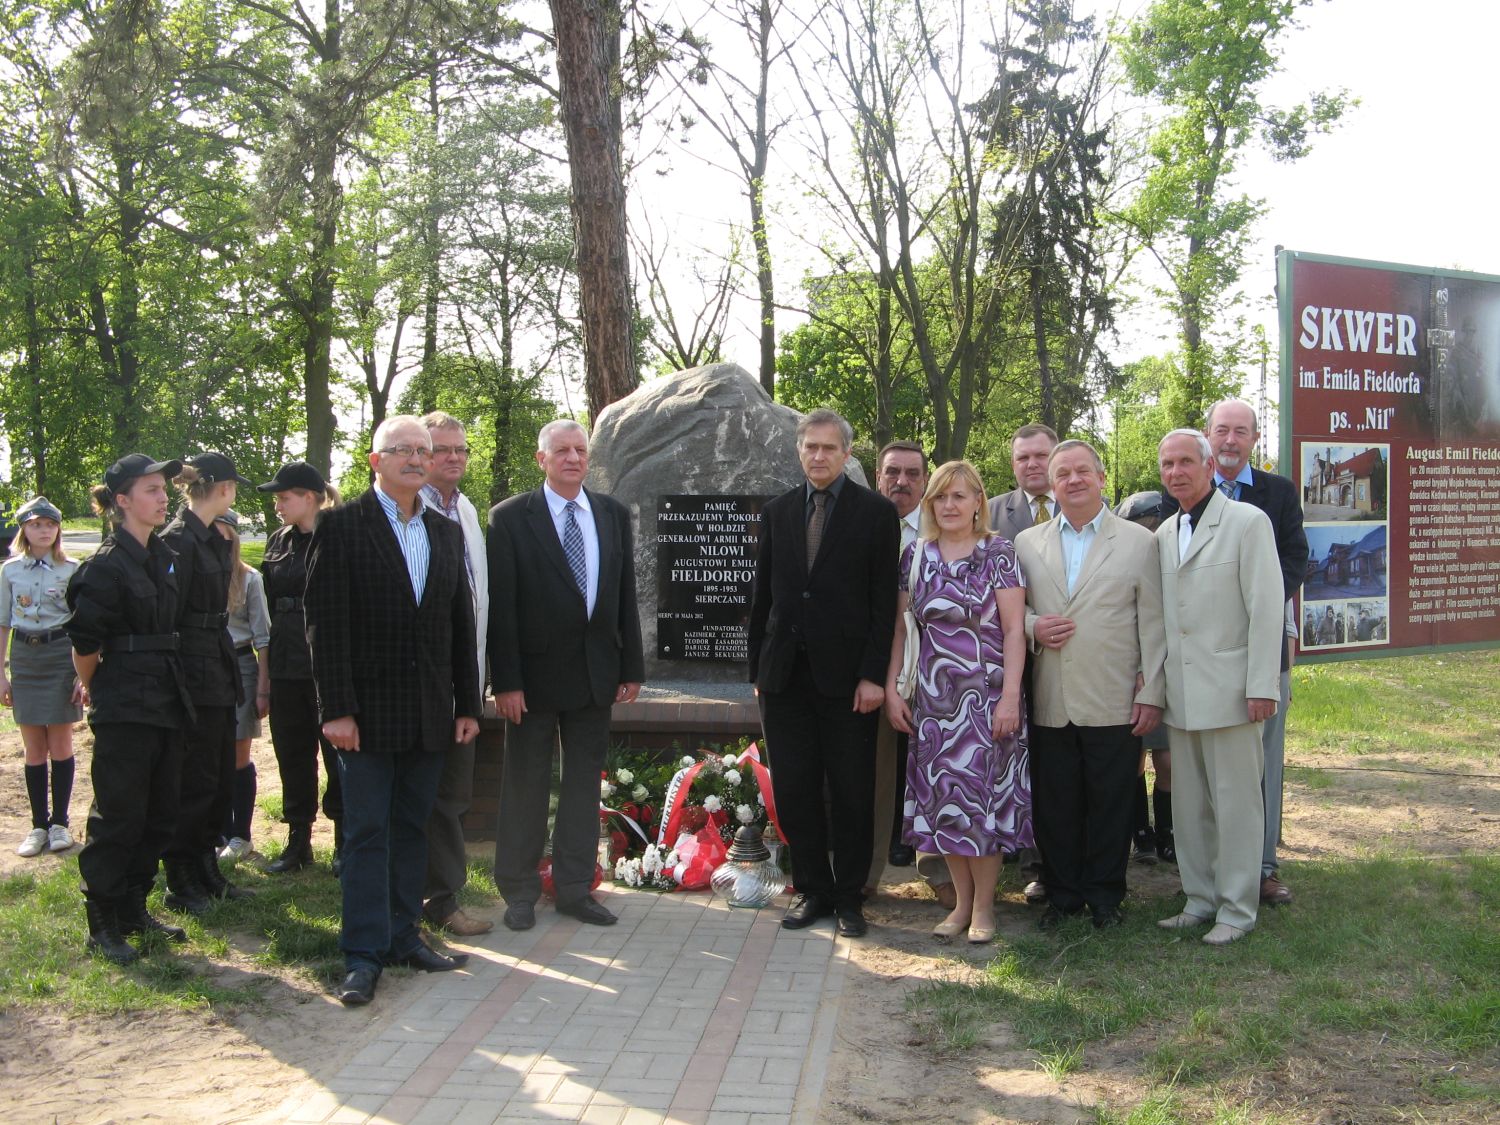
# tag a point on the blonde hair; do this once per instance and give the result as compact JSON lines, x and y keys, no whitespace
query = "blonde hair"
{"x":944,"y":477}
{"x":19,"y":546}
{"x":239,"y":570}
{"x":191,"y":484}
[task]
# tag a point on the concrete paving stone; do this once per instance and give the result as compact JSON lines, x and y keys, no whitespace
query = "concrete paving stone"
{"x":610,"y":1038}
{"x":795,"y":1023}
{"x":319,"y":1107}
{"x":770,"y":1118}
{"x":469,"y":1090}
{"x":407,"y":1033}
{"x":631,"y":1090}
{"x":377,"y":1053}
{"x":602,"y":1115}
{"x":575,"y":1035}
{"x":462,"y":987}
{"x":770,"y":1047}
{"x":631,"y":1064}
{"x":537,"y":1087}
{"x":808,"y":982}
{"x":752,"y":1090}
{"x":581,"y":1068}
{"x":723,"y":1117}
{"x":751,"y":1103}
{"x":743,"y":1069}
{"x":521,"y":1110}
{"x":806,"y":1002}
{"x":573,"y":1092}
{"x":354,"y":1115}
{"x":383,"y":1087}
{"x":479,"y":1111}
{"x":672,"y":1066}
{"x":503,"y":1082}
{"x":759,"y":1020}
{"x":431,"y":1007}
{"x":786,"y":1072}
{"x":438,"y":1111}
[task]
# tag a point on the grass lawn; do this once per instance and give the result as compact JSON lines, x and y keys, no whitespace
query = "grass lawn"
{"x":1384,"y":954}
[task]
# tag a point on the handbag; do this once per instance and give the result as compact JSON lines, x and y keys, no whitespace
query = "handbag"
{"x":906,"y":679}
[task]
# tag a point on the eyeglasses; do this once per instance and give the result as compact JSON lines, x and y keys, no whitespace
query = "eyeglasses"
{"x":408,"y":451}
{"x":444,"y":450}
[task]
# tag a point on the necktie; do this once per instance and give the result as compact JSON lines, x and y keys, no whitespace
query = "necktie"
{"x":1043,"y":513}
{"x":573,"y":548}
{"x":1227,"y":488}
{"x":815,"y":526}
{"x":1184,"y":536}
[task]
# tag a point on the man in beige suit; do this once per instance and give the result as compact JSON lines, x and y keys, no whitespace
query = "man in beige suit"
{"x":1222,"y":604}
{"x":1094,"y":626}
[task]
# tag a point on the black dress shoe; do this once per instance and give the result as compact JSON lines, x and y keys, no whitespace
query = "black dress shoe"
{"x":428,"y":960}
{"x":902,"y":855}
{"x":588,"y":911}
{"x":1052,"y":918}
{"x":851,"y":922}
{"x":804,"y":911}
{"x":520,"y":916}
{"x":1107,"y":916}
{"x":357,"y":988}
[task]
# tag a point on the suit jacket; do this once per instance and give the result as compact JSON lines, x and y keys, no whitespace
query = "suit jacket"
{"x":844,"y":611}
{"x":541,"y":638}
{"x":1116,"y":607}
{"x":403,"y":670}
{"x":468,"y":522}
{"x":1222,"y":607}
{"x":1010,"y":513}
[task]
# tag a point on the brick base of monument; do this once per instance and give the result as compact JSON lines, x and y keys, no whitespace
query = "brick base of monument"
{"x":670,"y":715}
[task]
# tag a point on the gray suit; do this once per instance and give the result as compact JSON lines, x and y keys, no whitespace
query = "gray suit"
{"x":1011,"y":514}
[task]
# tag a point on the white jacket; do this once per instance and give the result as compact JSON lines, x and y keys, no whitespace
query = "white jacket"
{"x":468,"y":519}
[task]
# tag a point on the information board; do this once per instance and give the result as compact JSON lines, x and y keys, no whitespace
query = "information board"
{"x":1391,"y":430}
{"x":705,"y":569}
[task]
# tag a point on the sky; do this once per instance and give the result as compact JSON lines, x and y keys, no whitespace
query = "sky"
{"x":1406,"y":177}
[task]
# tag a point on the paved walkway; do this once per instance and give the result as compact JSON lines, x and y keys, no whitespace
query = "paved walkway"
{"x":685,"y":1012}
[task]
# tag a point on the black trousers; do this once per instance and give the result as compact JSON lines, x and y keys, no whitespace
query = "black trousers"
{"x":207,"y":788}
{"x":817,"y":741}
{"x":1082,"y":793}
{"x":447,"y":857}
{"x":297,"y":738}
{"x":135,"y":771}
{"x":526,"y":784}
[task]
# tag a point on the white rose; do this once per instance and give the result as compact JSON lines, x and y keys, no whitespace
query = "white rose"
{"x":687,"y":760}
{"x":640,"y":793}
{"x":745,"y":814}
{"x":624,"y":777}
{"x":606,"y":790}
{"x":732,"y":776}
{"x":712,"y":804}
{"x":729,"y":760}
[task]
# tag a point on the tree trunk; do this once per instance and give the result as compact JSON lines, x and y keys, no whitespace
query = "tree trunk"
{"x":36,"y":421}
{"x":758,"y":232}
{"x":588,"y":72}
{"x":431,"y":235}
{"x":1039,"y":339}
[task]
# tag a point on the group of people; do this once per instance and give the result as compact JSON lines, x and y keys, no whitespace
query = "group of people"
{"x":1052,"y":637}
{"x":1056,"y":640}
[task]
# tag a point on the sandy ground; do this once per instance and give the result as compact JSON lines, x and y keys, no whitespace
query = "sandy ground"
{"x":241,"y":1065}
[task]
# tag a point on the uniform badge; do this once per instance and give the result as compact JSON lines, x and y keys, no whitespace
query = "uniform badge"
{"x":23,"y":600}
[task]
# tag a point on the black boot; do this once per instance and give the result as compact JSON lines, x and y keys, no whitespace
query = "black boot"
{"x":136,"y":919}
{"x":1145,"y":839}
{"x":105,"y":938}
{"x":185,"y":890}
{"x":213,"y":879}
{"x":338,"y":849}
{"x":298,"y":851}
{"x":1161,"y":804}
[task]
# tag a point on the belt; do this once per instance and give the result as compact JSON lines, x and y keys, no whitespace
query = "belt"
{"x":287,"y":605}
{"x":142,"y":642}
{"x":43,"y":638}
{"x":205,"y":620}
{"x":245,"y":650}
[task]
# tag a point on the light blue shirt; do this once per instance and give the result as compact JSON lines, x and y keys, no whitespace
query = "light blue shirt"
{"x":1076,"y":544}
{"x":1241,"y":479}
{"x":411,"y":537}
{"x":558,"y":506}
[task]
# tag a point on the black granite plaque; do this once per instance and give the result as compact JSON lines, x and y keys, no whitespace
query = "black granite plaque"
{"x":705,"y":568}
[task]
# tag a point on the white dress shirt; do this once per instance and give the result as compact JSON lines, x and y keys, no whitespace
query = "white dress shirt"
{"x":558,"y":506}
{"x":911,"y":524}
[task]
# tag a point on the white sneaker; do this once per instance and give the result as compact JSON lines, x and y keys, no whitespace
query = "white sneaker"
{"x":59,"y":839}
{"x":34,"y":844}
{"x":234,"y":851}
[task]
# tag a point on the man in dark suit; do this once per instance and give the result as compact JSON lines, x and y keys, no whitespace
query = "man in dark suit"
{"x":565,"y":646}
{"x":1232,"y":431}
{"x":1030,"y":503}
{"x":821,"y":622}
{"x":390,"y":624}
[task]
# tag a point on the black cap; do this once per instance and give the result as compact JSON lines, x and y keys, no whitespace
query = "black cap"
{"x":215,"y":468}
{"x":297,"y":474}
{"x":1140,"y":506}
{"x":37,"y":508}
{"x":230,"y":519}
{"x":133,"y":465}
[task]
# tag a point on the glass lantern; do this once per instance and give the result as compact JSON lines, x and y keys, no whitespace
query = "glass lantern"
{"x":748,"y":878}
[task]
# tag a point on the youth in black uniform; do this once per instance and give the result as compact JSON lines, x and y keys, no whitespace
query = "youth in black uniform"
{"x":124,"y":634}
{"x":296,"y":732}
{"x":209,"y":482}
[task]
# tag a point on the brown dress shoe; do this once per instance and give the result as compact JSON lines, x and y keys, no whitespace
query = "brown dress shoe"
{"x":460,"y":924}
{"x":1273,"y":892}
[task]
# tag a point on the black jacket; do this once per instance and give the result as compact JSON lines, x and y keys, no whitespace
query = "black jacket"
{"x":203,"y":562}
{"x":124,"y":590}
{"x":541,"y":638}
{"x":843,"y":612}
{"x":284,"y":569}
{"x":404,"y":671}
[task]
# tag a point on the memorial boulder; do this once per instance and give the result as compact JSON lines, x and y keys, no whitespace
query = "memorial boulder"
{"x":693,"y":456}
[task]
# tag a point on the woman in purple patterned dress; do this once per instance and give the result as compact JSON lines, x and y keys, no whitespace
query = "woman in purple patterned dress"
{"x":968,"y":787}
